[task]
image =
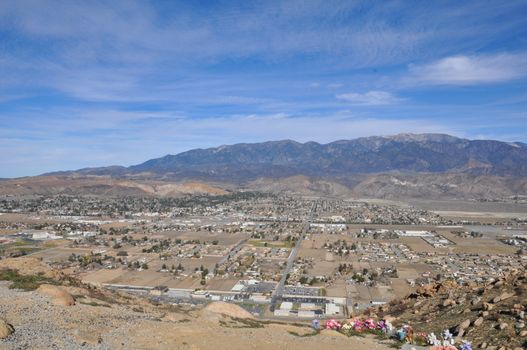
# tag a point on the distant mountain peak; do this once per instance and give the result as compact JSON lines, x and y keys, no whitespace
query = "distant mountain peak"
{"x":425,"y":137}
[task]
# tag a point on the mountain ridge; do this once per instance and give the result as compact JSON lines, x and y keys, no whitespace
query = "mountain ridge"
{"x":398,"y":166}
{"x":406,"y":153}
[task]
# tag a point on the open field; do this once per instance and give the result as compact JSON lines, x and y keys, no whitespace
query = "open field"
{"x":471,"y":208}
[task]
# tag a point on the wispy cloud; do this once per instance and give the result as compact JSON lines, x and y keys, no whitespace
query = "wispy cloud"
{"x":370,"y":98}
{"x":469,"y":70}
{"x":103,"y":82}
{"x":335,"y":85}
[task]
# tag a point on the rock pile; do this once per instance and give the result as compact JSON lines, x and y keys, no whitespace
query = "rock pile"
{"x":490,"y":315}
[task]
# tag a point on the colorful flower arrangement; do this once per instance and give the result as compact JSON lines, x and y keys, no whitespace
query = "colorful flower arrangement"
{"x":444,"y":341}
{"x":333,"y":324}
{"x":358,"y":325}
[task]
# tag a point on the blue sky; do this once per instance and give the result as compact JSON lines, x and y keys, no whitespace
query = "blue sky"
{"x":94,"y":83}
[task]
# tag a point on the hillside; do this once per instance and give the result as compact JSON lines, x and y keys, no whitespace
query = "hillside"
{"x":440,"y":185}
{"x":490,"y":315}
{"x":102,"y":186}
{"x":99,"y":319}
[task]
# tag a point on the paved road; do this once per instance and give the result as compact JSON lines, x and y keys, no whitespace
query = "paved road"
{"x":232,"y":252}
{"x":279,"y":291}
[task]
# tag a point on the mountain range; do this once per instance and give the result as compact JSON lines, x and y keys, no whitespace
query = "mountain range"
{"x":403,"y":153}
{"x":404,"y":165}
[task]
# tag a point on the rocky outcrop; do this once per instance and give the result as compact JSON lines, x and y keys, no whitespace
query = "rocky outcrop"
{"x":487,"y":314}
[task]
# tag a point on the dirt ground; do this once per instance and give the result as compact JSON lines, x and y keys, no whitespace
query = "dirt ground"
{"x":83,"y":326}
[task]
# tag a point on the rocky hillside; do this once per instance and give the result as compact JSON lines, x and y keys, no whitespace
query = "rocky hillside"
{"x":439,"y":185}
{"x":302,"y":185}
{"x":41,"y":308}
{"x":49,"y":310}
{"x":491,"y":316}
{"x":385,"y":186}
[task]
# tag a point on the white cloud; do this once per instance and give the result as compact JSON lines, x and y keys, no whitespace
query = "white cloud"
{"x":122,"y":50}
{"x":470,"y":70}
{"x":370,"y":98}
{"x":335,"y":85}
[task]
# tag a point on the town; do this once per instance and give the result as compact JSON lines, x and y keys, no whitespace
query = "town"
{"x":277,"y":256}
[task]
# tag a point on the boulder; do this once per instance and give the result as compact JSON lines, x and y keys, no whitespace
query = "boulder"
{"x":488,"y":306}
{"x":506,"y":295}
{"x":447,"y":286}
{"x":478,"y":322}
{"x":518,"y":307}
{"x":475,"y":301}
{"x":5,"y":329}
{"x":448,"y":302}
{"x":464,"y":324}
{"x":426,"y":291}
